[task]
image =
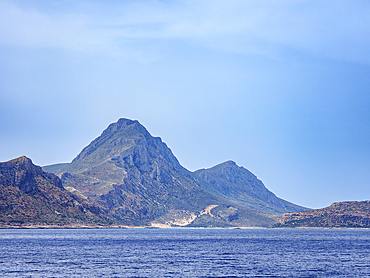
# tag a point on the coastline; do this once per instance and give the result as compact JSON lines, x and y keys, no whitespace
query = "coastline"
{"x":7,"y":227}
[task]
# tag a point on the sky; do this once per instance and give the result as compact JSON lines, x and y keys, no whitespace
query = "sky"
{"x":280,"y":87}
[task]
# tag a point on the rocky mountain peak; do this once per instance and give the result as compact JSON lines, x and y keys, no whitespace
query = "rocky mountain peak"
{"x":22,"y":173}
{"x":137,"y":179}
{"x":22,"y":161}
{"x":125,"y":140}
{"x":229,"y":163}
{"x":239,"y":186}
{"x":30,"y":196}
{"x":230,"y":171}
{"x":123,"y":124}
{"x":134,"y":175}
{"x":119,"y":129}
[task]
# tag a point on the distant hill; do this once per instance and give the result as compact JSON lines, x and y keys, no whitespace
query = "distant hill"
{"x":349,"y":214}
{"x":31,"y":197}
{"x":55,"y":168}
{"x":240,"y":187}
{"x":138,"y":180}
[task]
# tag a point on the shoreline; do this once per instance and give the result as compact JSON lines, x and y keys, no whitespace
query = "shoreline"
{"x":30,"y":227}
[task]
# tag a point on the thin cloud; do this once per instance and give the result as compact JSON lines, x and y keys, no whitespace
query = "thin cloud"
{"x":331,"y":29}
{"x":32,"y":28}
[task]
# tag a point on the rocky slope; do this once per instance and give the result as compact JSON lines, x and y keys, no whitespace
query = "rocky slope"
{"x":138,"y":180}
{"x":339,"y":215}
{"x":240,"y":187}
{"x":31,"y":197}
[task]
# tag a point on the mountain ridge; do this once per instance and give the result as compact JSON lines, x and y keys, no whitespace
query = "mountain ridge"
{"x":348,"y":214}
{"x":121,"y":126}
{"x":267,"y":203}
{"x":31,"y":197}
{"x":241,"y":187}
{"x":137,"y":178}
{"x":128,"y":177}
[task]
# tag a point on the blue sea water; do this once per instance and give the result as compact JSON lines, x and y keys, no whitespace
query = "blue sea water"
{"x":184,"y":253}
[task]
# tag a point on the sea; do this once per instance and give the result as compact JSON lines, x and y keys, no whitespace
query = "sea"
{"x":184,"y":253}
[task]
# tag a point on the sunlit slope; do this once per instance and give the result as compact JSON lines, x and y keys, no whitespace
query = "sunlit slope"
{"x":239,"y":186}
{"x":137,"y":179}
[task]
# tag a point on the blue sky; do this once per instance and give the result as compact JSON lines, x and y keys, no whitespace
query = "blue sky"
{"x":280,"y":87}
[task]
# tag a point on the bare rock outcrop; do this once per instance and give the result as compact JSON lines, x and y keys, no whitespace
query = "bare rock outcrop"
{"x":350,"y":214}
{"x":138,"y":180}
{"x":31,"y":197}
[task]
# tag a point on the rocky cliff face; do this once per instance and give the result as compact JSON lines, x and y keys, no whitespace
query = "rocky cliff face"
{"x":23,"y":174}
{"x":240,"y":187}
{"x":30,"y":196}
{"x":138,"y":180}
{"x":339,"y":215}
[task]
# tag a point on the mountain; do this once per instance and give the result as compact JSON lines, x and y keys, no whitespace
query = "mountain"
{"x":240,"y":187}
{"x":54,"y":168}
{"x":31,"y":197}
{"x":138,"y":180}
{"x":349,"y":214}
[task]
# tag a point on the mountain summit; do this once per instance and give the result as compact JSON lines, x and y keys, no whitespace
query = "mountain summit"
{"x":123,"y":148}
{"x":31,"y":197}
{"x":239,"y":186}
{"x":139,"y":181}
{"x":126,"y":138}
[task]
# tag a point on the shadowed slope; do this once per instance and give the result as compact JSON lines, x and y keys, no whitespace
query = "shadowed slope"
{"x":137,"y":179}
{"x":349,"y":214}
{"x":239,"y":186}
{"x":30,"y":196}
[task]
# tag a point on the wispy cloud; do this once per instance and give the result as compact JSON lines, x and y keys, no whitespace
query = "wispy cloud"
{"x":32,"y":28}
{"x":332,"y":29}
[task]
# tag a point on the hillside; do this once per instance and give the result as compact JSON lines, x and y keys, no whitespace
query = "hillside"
{"x":349,"y":214}
{"x":240,"y":187}
{"x":138,"y":180}
{"x":31,"y":197}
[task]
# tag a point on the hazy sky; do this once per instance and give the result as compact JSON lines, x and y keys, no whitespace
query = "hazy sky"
{"x":281,"y":87}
